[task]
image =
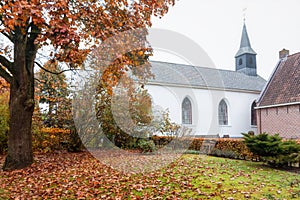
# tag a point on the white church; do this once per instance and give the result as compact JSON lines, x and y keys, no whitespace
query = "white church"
{"x":207,"y":100}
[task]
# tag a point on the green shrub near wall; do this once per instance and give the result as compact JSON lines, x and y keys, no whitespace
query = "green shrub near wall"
{"x":273,"y":149}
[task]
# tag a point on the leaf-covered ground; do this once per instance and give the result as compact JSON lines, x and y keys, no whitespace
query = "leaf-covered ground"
{"x":80,"y":176}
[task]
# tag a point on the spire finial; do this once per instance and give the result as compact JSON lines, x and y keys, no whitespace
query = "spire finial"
{"x":244,"y":14}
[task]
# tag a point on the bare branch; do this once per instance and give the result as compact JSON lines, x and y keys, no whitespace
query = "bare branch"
{"x":5,"y":75}
{"x":38,"y":80}
{"x":6,"y":63}
{"x":56,"y":73}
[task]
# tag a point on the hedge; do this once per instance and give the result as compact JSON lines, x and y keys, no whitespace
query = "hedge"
{"x":224,"y":147}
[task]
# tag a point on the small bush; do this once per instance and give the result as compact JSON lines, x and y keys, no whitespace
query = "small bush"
{"x":50,"y":139}
{"x":273,"y":150}
{"x":146,"y":145}
{"x":263,"y":144}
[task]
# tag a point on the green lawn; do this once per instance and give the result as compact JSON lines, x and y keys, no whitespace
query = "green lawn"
{"x":75,"y":176}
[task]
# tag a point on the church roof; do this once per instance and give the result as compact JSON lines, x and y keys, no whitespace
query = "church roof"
{"x":245,"y":46}
{"x":284,"y":85}
{"x":188,"y":75}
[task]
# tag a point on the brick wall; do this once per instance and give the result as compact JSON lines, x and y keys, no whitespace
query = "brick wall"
{"x":284,"y":120}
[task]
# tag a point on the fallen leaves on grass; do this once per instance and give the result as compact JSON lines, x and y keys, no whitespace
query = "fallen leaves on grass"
{"x":81,"y":176}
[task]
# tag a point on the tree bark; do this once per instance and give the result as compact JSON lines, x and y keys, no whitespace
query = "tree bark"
{"x":21,"y":102}
{"x":19,"y":137}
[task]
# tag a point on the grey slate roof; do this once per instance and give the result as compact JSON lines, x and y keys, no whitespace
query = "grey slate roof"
{"x":187,"y":75}
{"x":245,"y":46}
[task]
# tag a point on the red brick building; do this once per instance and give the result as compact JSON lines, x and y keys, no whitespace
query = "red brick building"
{"x":278,"y":107}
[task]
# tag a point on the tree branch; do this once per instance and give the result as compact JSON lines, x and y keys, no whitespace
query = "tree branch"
{"x":37,"y":80}
{"x":6,"y":63}
{"x":5,"y":75}
{"x":51,"y":72}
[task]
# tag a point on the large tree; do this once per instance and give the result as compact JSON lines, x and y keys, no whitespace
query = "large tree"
{"x":30,"y":25}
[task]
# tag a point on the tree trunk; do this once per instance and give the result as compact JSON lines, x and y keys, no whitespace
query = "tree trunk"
{"x":19,"y":137}
{"x":21,"y":104}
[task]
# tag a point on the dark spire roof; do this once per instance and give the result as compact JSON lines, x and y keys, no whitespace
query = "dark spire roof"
{"x":245,"y":46}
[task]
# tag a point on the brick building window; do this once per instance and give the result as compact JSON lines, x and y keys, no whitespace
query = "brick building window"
{"x":253,"y":114}
{"x":223,"y":113}
{"x":186,"y":111}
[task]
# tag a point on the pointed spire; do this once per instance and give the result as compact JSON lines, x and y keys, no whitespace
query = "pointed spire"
{"x":245,"y":46}
{"x":245,"y":42}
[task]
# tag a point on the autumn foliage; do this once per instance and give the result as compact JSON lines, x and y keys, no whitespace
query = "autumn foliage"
{"x":4,"y":114}
{"x":66,"y":31}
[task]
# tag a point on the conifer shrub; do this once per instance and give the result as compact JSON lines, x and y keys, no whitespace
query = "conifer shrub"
{"x":273,"y":150}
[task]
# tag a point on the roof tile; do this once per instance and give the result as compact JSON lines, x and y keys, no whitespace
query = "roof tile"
{"x":284,"y":86}
{"x":188,"y":75}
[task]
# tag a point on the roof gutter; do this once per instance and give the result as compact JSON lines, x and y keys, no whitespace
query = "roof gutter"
{"x":203,"y":87}
{"x":278,"y":105}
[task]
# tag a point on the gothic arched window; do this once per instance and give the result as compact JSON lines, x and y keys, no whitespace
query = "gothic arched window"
{"x":223,"y":113}
{"x":253,"y":114}
{"x":186,"y":111}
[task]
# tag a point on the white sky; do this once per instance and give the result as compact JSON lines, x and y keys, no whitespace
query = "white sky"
{"x":216,"y":25}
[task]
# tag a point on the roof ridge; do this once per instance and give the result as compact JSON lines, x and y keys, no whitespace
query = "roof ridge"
{"x":163,"y":62}
{"x":195,"y":66}
{"x":294,"y":54}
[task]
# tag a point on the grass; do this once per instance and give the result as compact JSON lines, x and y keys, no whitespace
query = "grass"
{"x":74,"y":176}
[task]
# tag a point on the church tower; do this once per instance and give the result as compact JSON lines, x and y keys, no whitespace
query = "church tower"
{"x":245,"y":58}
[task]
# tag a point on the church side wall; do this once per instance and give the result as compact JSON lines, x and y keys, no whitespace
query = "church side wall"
{"x":205,"y":108}
{"x":284,"y":120}
{"x":239,"y":113}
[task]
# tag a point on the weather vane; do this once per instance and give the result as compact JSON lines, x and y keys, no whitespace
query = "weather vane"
{"x":244,"y":14}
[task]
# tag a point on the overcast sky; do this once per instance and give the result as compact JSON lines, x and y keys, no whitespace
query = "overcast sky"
{"x":216,"y":25}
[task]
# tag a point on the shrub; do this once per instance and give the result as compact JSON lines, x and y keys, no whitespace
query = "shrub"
{"x":263,"y":144}
{"x":235,"y":145}
{"x":196,"y":144}
{"x":273,"y":150}
{"x":223,"y":147}
{"x":4,"y":121}
{"x":50,"y":139}
{"x":146,"y":145}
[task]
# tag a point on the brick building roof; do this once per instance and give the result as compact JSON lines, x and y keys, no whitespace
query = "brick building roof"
{"x":284,"y":85}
